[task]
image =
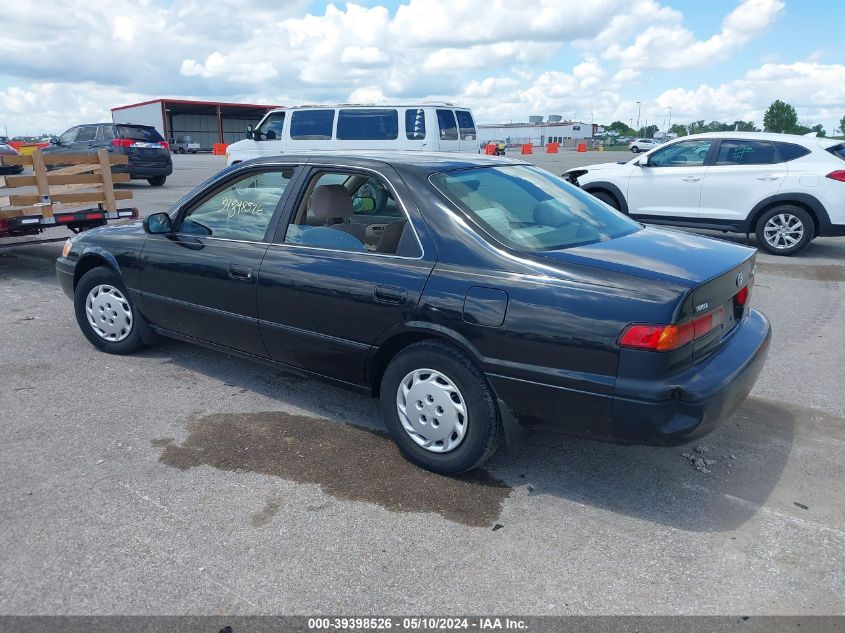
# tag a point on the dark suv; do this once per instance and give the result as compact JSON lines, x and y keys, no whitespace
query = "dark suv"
{"x":148,"y":152}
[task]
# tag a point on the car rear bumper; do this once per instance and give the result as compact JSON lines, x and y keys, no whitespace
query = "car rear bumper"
{"x":64,"y":275}
{"x":700,"y":397}
{"x":145,"y":169}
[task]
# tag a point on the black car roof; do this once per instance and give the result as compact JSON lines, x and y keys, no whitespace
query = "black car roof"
{"x":424,"y":161}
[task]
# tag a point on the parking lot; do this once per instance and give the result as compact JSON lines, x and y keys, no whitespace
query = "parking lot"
{"x":182,"y":480}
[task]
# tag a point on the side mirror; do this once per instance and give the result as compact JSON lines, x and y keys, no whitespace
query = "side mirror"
{"x":158,"y":224}
{"x":250,"y":135}
{"x":54,"y":140}
{"x":364,"y":205}
{"x":643,"y":162}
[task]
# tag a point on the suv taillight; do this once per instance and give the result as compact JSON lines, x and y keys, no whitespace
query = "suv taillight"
{"x":837,"y":175}
{"x":164,"y":144}
{"x":122,"y":142}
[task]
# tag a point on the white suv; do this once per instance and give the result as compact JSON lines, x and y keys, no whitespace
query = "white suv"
{"x":642,"y":145}
{"x":786,"y":189}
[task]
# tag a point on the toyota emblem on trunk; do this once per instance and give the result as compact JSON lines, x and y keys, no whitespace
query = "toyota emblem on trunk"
{"x":739,"y":279}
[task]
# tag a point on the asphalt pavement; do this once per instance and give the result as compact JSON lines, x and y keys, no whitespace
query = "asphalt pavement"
{"x":185,"y":481}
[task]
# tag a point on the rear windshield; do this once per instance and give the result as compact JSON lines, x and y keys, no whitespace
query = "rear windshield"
{"x":529,"y":209}
{"x":838,"y":150}
{"x":139,"y":133}
{"x":367,"y":125}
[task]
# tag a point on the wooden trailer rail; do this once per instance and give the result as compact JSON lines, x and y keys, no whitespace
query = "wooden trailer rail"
{"x":82,"y":179}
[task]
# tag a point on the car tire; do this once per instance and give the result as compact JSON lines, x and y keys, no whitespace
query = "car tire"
{"x":181,"y":150}
{"x":434,"y":378}
{"x":157,"y":181}
{"x":784,"y":230}
{"x":99,"y":292}
{"x":608,"y":198}
{"x":635,"y":149}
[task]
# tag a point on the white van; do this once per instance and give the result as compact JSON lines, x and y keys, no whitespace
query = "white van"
{"x":439,"y":127}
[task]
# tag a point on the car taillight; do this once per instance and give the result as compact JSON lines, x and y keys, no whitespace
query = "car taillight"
{"x":122,"y":142}
{"x":164,"y":144}
{"x":741,"y":298}
{"x":665,"y":338}
{"x":837,"y":175}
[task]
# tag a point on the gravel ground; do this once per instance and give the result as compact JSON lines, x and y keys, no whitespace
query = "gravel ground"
{"x":184,"y":481}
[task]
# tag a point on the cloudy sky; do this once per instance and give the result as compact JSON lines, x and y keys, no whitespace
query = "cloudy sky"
{"x":69,"y":62}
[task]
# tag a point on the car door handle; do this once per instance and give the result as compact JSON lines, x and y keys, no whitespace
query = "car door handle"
{"x":390,"y":294}
{"x":243,"y":273}
{"x":691,"y":178}
{"x":767,"y":177}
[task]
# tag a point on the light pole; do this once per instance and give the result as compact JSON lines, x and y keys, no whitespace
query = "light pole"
{"x":638,"y":117}
{"x":670,"y":119}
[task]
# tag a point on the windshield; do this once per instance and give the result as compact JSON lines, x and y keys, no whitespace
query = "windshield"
{"x":139,"y":133}
{"x":529,"y":209}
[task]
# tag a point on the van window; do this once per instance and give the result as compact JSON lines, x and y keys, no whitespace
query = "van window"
{"x":415,"y":124}
{"x":270,"y":129}
{"x":367,"y":125}
{"x":447,"y":124}
{"x":466,"y":126}
{"x":311,"y":125}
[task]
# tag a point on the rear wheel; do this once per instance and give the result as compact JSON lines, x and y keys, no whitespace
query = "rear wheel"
{"x":438,"y":408}
{"x":157,"y":181}
{"x":785,"y":230}
{"x":105,"y":313}
{"x":635,"y":149}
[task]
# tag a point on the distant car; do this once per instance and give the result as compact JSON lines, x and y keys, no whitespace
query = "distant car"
{"x":185,"y":144}
{"x":8,"y":150}
{"x":642,"y":145}
{"x":786,"y":189}
{"x":148,"y":152}
{"x":472,"y":294}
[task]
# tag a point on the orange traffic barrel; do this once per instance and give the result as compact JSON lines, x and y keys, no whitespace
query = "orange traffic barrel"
{"x":527,"y":148}
{"x":552,"y":148}
{"x":490,"y":149}
{"x":219,"y":149}
{"x":582,"y":147}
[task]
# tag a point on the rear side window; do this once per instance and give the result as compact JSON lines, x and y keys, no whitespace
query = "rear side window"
{"x":311,"y":125}
{"x":139,"y":133}
{"x":742,"y":152}
{"x":86,"y":133}
{"x":367,"y":125}
{"x":837,"y":150}
{"x":790,"y":151}
{"x":415,"y":124}
{"x":448,"y":125}
{"x":106,"y":132}
{"x":466,"y":126}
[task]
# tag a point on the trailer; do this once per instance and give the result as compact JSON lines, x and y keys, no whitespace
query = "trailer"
{"x":63,"y":195}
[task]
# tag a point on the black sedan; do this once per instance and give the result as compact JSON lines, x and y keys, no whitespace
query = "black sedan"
{"x":8,"y":150}
{"x":474,"y":295}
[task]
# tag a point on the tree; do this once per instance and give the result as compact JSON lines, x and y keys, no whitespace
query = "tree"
{"x":818,"y":129}
{"x":842,"y":125}
{"x":648,"y":132}
{"x":780,"y":117}
{"x":622,"y":128}
{"x":678,"y":129}
{"x":743,"y":126}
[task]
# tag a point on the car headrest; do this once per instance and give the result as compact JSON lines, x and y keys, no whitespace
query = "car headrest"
{"x":331,"y":201}
{"x":550,"y":213}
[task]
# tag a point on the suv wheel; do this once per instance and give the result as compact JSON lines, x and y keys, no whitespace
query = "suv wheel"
{"x":608,"y":198}
{"x":635,"y":149}
{"x":105,"y":313}
{"x":438,"y":408}
{"x":157,"y":181}
{"x":785,"y":230}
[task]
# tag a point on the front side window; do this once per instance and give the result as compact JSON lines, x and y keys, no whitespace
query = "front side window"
{"x":466,"y":126}
{"x":367,"y":125}
{"x":682,"y":154}
{"x":529,"y":209}
{"x":351,"y":212}
{"x":241,"y":211}
{"x":311,"y":125}
{"x":448,"y":125}
{"x":742,"y":152}
{"x":70,"y":136}
{"x":415,"y":124}
{"x":270,"y":129}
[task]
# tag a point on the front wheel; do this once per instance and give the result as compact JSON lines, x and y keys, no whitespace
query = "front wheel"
{"x":608,"y":198}
{"x":157,"y":181}
{"x":635,"y":149}
{"x":438,"y":408}
{"x":105,"y":313}
{"x":785,"y":230}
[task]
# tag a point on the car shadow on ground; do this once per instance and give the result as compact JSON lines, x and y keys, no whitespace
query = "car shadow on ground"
{"x":746,"y":455}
